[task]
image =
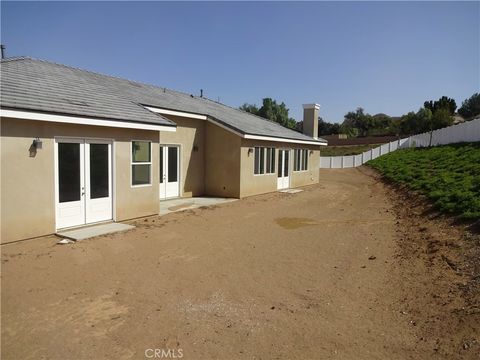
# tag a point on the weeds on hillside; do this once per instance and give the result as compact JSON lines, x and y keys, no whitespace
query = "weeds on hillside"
{"x":448,"y":175}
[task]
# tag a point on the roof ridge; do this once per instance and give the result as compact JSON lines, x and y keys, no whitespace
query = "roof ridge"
{"x":15,"y":58}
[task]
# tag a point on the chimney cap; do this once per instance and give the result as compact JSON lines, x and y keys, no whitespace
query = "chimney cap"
{"x":311,"y":106}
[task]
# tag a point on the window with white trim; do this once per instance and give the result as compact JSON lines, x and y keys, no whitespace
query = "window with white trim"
{"x":270,"y":154}
{"x":141,"y":163}
{"x":300,"y":160}
{"x":264,"y":160}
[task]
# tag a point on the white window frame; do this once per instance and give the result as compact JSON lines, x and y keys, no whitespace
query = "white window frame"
{"x":306,"y":154}
{"x":132,"y":164}
{"x":302,"y":164}
{"x":259,"y":162}
{"x":273,"y":153}
{"x":264,"y":160}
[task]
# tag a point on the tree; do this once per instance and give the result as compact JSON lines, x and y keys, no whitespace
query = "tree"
{"x":441,"y":118}
{"x":250,"y":108}
{"x":359,"y":120}
{"x":326,"y":128}
{"x":273,"y":111}
{"x":366,"y":124}
{"x":382,"y":124}
{"x":395,"y":125}
{"x":470,"y":107}
{"x":348,"y":130}
{"x":381,"y":121}
{"x":416,"y":123}
{"x":410,"y":124}
{"x":424,"y":121}
{"x":443,"y":103}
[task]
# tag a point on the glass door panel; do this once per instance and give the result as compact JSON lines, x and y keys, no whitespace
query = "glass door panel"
{"x":69,"y":172}
{"x":69,"y":181}
{"x":99,"y":174}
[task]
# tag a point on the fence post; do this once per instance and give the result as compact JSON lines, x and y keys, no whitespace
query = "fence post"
{"x":342,"y":161}
{"x":362,"y":158}
{"x":331,"y":161}
{"x":371,"y":154}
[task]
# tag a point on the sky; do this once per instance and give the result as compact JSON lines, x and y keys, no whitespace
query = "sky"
{"x":386,"y":57}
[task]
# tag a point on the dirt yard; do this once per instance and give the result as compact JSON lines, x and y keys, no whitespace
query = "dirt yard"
{"x":344,"y":269}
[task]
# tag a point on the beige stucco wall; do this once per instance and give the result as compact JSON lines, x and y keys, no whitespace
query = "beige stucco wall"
{"x":311,"y":175}
{"x":28,"y":184}
{"x":220,"y":167}
{"x":222,"y":162}
{"x":190,"y":133}
{"x":251,"y":184}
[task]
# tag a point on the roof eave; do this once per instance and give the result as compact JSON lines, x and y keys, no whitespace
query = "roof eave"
{"x":28,"y":114}
{"x":252,"y":136}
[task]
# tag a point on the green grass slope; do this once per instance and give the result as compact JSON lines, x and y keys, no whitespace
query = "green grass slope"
{"x":448,"y":175}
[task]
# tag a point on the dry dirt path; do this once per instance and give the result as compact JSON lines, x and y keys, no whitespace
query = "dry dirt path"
{"x":276,"y":276}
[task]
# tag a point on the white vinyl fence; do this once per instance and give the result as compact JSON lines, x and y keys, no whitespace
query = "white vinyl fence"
{"x":465,"y":132}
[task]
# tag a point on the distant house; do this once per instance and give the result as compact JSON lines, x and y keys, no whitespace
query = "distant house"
{"x":79,"y":147}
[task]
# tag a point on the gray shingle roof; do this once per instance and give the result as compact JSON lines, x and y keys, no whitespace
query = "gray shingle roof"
{"x":44,"y":86}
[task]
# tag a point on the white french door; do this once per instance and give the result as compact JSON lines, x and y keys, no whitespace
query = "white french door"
{"x":283,"y":177}
{"x":83,"y":178}
{"x":169,"y":171}
{"x":98,"y":181}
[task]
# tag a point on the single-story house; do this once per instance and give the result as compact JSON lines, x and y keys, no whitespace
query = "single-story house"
{"x":78,"y":147}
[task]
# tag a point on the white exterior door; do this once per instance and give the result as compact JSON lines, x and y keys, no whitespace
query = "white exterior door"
{"x":70,"y":182}
{"x":283,"y":177}
{"x":83,"y":179}
{"x":98,"y":181}
{"x":169,"y":171}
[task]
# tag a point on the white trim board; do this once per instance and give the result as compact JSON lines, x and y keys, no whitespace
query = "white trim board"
{"x":269,"y":138}
{"x":39,"y":116}
{"x":176,"y":113}
{"x":245,"y":136}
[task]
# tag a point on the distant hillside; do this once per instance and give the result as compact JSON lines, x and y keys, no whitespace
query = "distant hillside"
{"x":448,"y":175}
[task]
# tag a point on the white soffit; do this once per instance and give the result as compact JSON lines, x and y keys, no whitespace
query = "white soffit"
{"x":39,"y":116}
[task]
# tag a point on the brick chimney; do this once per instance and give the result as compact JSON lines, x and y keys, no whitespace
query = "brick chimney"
{"x":310,"y":119}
